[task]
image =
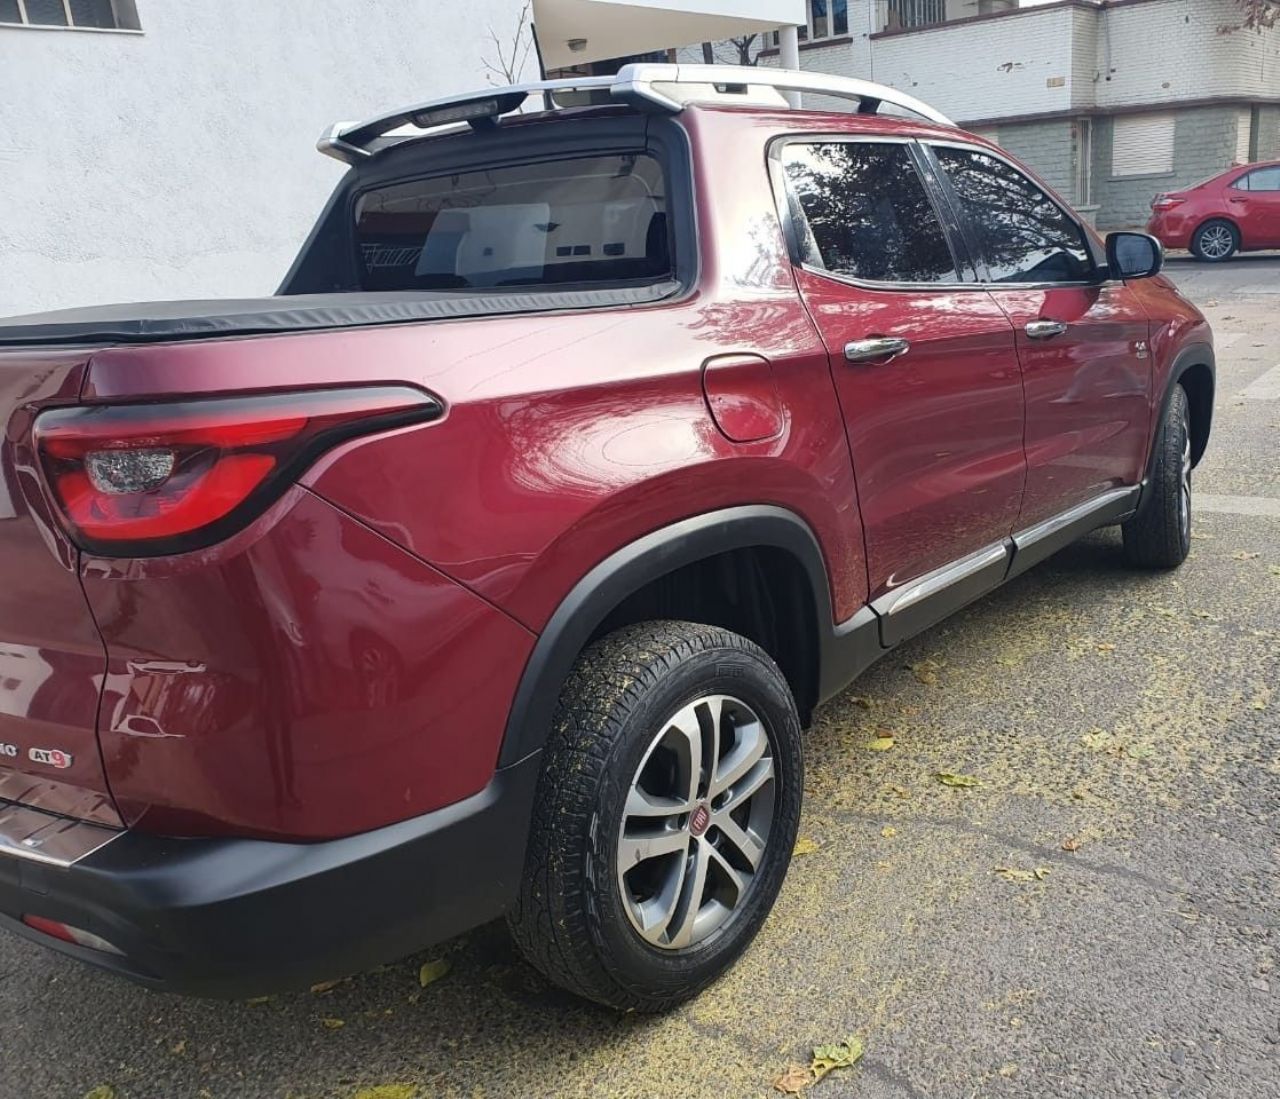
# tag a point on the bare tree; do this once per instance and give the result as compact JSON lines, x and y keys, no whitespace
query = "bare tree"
{"x":1260,"y":14}
{"x":512,"y":55}
{"x":738,"y":51}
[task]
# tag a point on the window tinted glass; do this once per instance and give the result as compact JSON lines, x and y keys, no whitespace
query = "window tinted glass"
{"x":592,"y":220}
{"x":867,"y":213}
{"x":1264,"y":179}
{"x":1023,"y":235}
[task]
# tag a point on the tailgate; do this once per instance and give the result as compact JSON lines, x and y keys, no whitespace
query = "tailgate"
{"x":52,"y":659}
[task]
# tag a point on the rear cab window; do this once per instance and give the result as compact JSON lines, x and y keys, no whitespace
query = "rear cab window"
{"x":591,"y":220}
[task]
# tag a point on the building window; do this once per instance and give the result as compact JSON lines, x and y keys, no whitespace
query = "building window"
{"x":907,"y":14}
{"x":1142,"y":145}
{"x":101,"y":15}
{"x":825,"y":19}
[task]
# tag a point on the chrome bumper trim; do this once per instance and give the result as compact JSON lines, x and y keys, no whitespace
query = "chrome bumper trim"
{"x":27,"y":833}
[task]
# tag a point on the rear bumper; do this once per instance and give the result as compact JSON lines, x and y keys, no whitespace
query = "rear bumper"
{"x":240,"y":917}
{"x":1173,"y":230}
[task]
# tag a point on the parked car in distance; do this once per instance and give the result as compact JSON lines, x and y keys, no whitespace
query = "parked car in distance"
{"x":1236,"y":211}
{"x":495,"y":565}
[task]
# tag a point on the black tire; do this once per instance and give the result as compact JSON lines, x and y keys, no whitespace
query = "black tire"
{"x":1159,"y":535}
{"x":1215,"y":241}
{"x":570,"y":919}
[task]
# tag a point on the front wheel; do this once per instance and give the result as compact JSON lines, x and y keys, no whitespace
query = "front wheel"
{"x":1159,"y":535}
{"x":665,"y":816}
{"x":1215,"y":241}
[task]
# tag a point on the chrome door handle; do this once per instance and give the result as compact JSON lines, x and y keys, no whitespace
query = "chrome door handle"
{"x":1044,"y":330}
{"x":876,"y":349}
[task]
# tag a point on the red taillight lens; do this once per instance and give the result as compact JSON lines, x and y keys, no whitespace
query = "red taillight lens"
{"x":161,"y":478}
{"x":1166,"y":202}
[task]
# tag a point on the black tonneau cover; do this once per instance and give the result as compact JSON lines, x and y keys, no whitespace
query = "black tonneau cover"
{"x":166,"y":321}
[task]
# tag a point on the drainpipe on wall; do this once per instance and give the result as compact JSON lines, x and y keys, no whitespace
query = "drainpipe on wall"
{"x":789,"y":56}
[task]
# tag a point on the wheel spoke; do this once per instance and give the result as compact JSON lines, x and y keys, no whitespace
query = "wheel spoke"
{"x":736,"y":879}
{"x":749,"y":845}
{"x":749,"y":785}
{"x":638,"y":848}
{"x":653,"y":916}
{"x":684,"y":732}
{"x":691,"y":890}
{"x":750,"y":745}
{"x":641,"y":803}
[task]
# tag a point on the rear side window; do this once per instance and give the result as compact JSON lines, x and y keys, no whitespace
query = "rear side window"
{"x":589,"y":220}
{"x":862,"y":211}
{"x":1022,"y":234}
{"x":1264,"y":179}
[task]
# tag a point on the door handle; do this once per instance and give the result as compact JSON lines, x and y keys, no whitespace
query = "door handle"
{"x":876,"y":348}
{"x":1044,"y":330}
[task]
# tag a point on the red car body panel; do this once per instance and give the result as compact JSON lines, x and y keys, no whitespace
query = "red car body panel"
{"x":936,"y":436}
{"x":1176,"y":215}
{"x":1087,"y":393}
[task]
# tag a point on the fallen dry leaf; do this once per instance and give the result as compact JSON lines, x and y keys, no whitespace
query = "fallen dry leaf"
{"x":433,"y":971}
{"x":388,"y":1091}
{"x":900,"y":791}
{"x":926,"y":672}
{"x":863,"y":701}
{"x":179,"y":1047}
{"x":794,"y":1080}
{"x":888,"y":831}
{"x":804,"y":846}
{"x":837,"y":1055}
{"x":1106,"y":647}
{"x":1071,"y":843}
{"x":258,"y":1000}
{"x":326,"y":986}
{"x":1008,"y":1069}
{"x":1245,"y":555}
{"x":102,"y":1091}
{"x":880,"y":744}
{"x":1010,"y":873}
{"x":333,"y":1024}
{"x":949,"y":779}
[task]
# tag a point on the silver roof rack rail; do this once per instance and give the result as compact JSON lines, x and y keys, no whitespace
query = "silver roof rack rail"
{"x":656,"y":87}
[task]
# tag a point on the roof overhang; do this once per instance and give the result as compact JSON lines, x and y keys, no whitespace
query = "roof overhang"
{"x":603,"y":29}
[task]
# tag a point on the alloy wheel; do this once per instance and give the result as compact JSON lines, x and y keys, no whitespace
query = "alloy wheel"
{"x":1217,"y":242}
{"x":696,"y":822}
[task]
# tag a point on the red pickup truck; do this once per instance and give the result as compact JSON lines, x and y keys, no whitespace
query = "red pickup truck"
{"x":495,"y":565}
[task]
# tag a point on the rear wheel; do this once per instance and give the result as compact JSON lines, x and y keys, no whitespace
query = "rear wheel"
{"x":665,"y":815}
{"x":1159,"y":535}
{"x":1215,"y":241}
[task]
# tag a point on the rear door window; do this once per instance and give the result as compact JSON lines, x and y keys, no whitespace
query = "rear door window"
{"x":861,"y":210}
{"x":1264,"y":179}
{"x":591,"y":220}
{"x":1021,"y":233}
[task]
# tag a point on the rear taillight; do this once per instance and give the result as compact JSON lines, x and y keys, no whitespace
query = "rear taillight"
{"x":1166,"y":202}
{"x":146,"y":479}
{"x":69,"y":934}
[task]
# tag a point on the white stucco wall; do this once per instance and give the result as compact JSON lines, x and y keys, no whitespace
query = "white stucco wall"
{"x":180,"y":162}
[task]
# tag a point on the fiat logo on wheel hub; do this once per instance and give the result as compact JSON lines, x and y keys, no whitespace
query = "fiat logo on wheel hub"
{"x":700,"y":819}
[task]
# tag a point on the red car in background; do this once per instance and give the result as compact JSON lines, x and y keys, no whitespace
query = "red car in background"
{"x":1237,"y":211}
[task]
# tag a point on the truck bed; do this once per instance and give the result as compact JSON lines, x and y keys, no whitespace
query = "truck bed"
{"x":166,"y":321}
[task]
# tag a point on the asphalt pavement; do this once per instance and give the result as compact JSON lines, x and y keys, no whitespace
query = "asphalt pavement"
{"x":1097,"y":917}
